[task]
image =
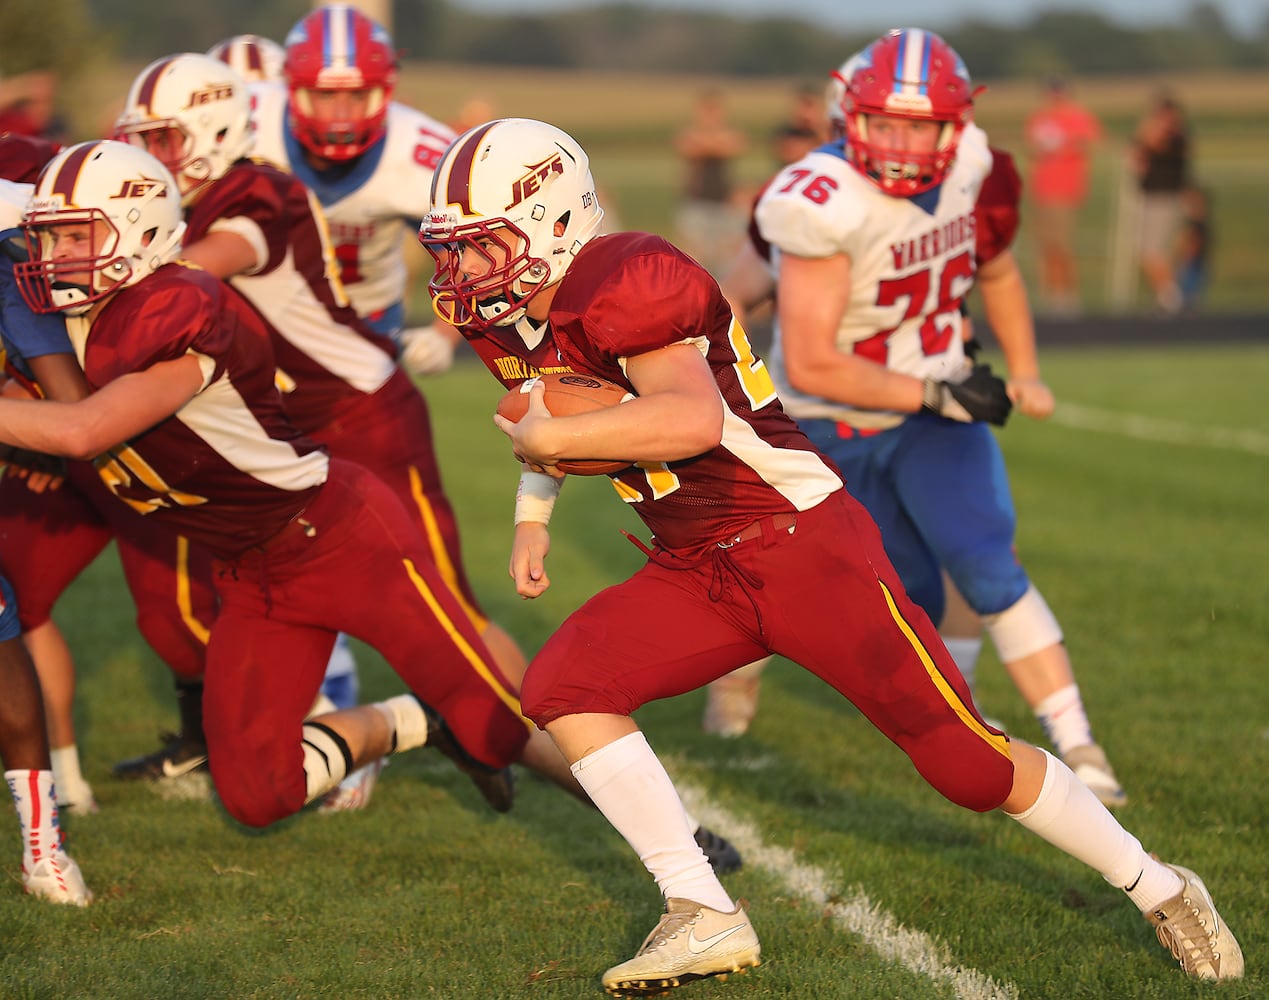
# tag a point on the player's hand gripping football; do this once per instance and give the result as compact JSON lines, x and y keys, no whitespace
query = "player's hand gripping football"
{"x":529,"y":434}
{"x":979,"y":396}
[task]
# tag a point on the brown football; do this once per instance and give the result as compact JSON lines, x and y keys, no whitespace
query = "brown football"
{"x":567,"y":393}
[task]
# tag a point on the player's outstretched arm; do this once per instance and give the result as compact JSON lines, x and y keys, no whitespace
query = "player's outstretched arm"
{"x":116,"y":412}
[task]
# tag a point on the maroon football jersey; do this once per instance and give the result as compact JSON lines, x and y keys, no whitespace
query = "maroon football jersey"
{"x":227,"y":469}
{"x":996,"y":212}
{"x":327,"y":357}
{"x":632,"y":293}
{"x":22,"y":157}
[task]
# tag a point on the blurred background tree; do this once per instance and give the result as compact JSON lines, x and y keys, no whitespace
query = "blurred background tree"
{"x":627,"y":36}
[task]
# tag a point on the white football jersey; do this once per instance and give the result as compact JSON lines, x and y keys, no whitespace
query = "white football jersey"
{"x":371,"y":207}
{"x":912,"y":260}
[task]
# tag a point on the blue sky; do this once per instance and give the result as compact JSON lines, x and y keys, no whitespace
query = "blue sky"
{"x":1246,"y":16}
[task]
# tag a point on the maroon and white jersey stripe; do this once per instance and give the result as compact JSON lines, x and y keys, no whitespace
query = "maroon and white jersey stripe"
{"x":632,"y":293}
{"x":328,"y":359}
{"x":227,"y":469}
{"x":371,"y":213}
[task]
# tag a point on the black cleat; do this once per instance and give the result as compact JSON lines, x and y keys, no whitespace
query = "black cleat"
{"x":497,"y":785}
{"x":179,"y":755}
{"x":723,"y":856}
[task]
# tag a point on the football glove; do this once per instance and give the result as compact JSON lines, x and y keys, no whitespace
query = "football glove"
{"x":980,"y":396}
{"x":426,"y":351}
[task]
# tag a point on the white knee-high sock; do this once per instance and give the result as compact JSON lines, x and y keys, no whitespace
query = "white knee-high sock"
{"x":629,"y":786}
{"x":1069,"y":817}
{"x":1064,"y":720}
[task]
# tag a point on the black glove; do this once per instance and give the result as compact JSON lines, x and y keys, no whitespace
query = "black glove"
{"x":981,"y":396}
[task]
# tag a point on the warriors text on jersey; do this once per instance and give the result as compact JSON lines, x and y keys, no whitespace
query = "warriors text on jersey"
{"x":912,"y":261}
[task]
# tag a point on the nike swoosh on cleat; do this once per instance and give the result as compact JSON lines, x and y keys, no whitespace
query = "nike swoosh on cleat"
{"x":696,"y":945}
{"x":171,"y":770}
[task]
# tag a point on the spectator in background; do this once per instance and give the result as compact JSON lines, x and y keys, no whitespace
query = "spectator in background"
{"x":28,"y":105}
{"x":710,"y":221}
{"x":1194,"y":247}
{"x":805,"y":128}
{"x":474,"y":111}
{"x":1060,"y":135}
{"x":1160,"y":159}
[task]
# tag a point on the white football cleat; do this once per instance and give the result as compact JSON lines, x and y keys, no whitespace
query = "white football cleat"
{"x":1189,"y":927}
{"x":355,"y":790}
{"x":1091,"y":766}
{"x":57,"y":878}
{"x":690,"y":942}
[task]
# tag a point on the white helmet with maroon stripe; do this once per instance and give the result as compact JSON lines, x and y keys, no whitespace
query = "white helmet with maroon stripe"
{"x":133,"y":206}
{"x":194,"y":113}
{"x":257,"y":59}
{"x":522,"y":185}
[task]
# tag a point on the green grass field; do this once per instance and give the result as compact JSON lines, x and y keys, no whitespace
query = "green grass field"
{"x":1142,"y":510}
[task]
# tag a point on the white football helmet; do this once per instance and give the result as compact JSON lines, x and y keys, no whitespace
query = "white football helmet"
{"x":522,"y":185}
{"x":194,"y":113}
{"x":133,"y":205}
{"x":256,"y":58}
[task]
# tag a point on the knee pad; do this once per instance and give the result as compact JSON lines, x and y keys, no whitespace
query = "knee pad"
{"x":1025,"y":627}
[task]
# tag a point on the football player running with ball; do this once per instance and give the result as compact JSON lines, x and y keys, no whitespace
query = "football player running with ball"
{"x":757,"y":549}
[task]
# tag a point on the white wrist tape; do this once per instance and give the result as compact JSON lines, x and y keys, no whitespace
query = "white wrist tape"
{"x":535,"y":497}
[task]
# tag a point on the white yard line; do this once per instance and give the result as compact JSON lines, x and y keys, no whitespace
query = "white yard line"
{"x":851,"y":910}
{"x":1092,"y":418}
